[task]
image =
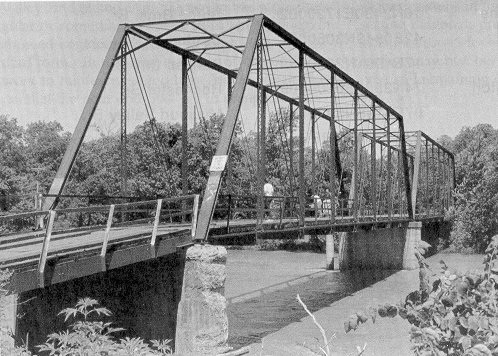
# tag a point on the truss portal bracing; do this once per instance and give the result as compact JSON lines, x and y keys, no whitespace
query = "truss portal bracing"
{"x":366,"y":135}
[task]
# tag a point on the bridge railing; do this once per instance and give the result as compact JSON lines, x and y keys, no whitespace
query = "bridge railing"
{"x":175,"y":210}
{"x":20,"y":222}
{"x":143,"y":218}
{"x":277,"y":212}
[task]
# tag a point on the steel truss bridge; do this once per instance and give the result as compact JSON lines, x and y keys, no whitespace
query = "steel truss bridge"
{"x":375,"y":174}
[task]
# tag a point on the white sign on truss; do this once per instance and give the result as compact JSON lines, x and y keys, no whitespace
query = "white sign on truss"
{"x":218,"y":163}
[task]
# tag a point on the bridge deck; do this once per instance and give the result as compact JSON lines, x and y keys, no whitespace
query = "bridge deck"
{"x":22,"y":249}
{"x":77,"y":253}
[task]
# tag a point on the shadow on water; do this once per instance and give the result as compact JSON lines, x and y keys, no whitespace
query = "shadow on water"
{"x":252,"y":319}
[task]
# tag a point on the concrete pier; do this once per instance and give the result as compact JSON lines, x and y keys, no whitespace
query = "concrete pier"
{"x":202,"y":324}
{"x":8,"y":319}
{"x":329,"y":251}
{"x":392,"y":248}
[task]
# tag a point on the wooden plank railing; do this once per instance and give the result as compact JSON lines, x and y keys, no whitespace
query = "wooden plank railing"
{"x":161,"y":215}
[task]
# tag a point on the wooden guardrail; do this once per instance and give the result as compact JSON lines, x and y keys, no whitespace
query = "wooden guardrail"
{"x":156,"y":211}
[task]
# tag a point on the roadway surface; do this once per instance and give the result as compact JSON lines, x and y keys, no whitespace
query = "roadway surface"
{"x":26,"y":248}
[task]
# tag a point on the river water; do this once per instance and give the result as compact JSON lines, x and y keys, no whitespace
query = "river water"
{"x":261,"y":288}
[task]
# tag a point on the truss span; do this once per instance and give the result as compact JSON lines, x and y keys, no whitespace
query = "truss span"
{"x":367,"y":166}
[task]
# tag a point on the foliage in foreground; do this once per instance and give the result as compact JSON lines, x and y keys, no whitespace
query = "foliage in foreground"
{"x":452,"y":314}
{"x":86,"y":337}
{"x":326,"y":341}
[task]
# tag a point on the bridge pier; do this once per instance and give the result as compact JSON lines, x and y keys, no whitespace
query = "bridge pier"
{"x":8,"y":319}
{"x":202,"y":324}
{"x":389,"y":248}
{"x":329,"y":252}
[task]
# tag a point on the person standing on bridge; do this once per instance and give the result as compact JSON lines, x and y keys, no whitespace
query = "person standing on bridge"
{"x":268,"y":193}
{"x":317,"y":205}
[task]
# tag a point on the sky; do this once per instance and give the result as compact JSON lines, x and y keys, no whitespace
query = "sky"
{"x":433,"y":61}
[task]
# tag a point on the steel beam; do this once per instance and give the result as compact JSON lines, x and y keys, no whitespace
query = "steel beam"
{"x":448,"y":182}
{"x":225,"y":141}
{"x":291,"y":148}
{"x":313,"y":155}
{"x":381,"y":170}
{"x":198,"y":19}
{"x":406,"y":170}
{"x":389,"y":168}
{"x":354,"y":184}
{"x":453,"y":186}
{"x":230,"y":163}
{"x":434,"y":182}
{"x":453,"y":178}
{"x":123,"y":149}
{"x":261,"y":134}
{"x":416,"y":171}
{"x":333,"y":148}
{"x":262,"y":158}
{"x":184,"y":126}
{"x":373,"y":158}
{"x":439,"y":179}
{"x":427,"y":183}
{"x":399,"y":165}
{"x":84,"y":121}
{"x":302,"y":193}
{"x":259,"y":179}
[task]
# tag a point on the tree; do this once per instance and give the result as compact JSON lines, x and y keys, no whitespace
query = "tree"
{"x":12,"y":161}
{"x":476,"y":193}
{"x":45,"y":143}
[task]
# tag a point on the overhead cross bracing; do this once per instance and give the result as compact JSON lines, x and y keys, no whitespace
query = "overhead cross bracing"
{"x":368,"y":168}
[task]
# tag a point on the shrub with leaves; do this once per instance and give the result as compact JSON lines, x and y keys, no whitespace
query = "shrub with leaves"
{"x":450,"y":314}
{"x":88,"y":338}
{"x":476,"y":194}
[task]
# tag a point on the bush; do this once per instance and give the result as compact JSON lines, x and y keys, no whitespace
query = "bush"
{"x":476,"y":194}
{"x":453,"y":314}
{"x":86,"y":337}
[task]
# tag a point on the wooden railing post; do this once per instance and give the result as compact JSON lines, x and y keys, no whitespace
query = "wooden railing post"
{"x":195,"y":212}
{"x":107,"y":232}
{"x":282,"y":209}
{"x":36,"y":208}
{"x":315,"y":205}
{"x":44,"y":252}
{"x":154,"y":228}
{"x":39,"y":218}
{"x":229,"y":212}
